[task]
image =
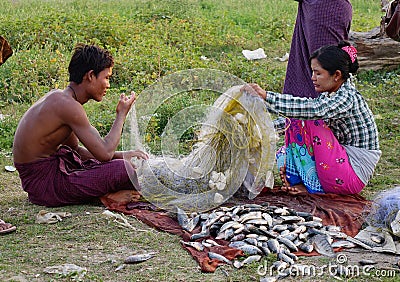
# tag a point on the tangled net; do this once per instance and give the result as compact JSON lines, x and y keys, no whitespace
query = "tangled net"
{"x":235,"y":149}
{"x":384,"y":209}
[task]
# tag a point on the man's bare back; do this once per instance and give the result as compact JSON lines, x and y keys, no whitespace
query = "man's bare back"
{"x":43,"y":127}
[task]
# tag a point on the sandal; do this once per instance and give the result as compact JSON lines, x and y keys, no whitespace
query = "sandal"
{"x":6,"y":227}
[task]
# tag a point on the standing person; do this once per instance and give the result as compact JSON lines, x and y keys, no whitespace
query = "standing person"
{"x":54,"y":169}
{"x":5,"y":53}
{"x":318,"y":23}
{"x":331,"y":141}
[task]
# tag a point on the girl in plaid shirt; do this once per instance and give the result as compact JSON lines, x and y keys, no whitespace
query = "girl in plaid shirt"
{"x":331,"y":142}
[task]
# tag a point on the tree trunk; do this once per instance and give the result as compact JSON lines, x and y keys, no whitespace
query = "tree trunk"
{"x":376,"y":50}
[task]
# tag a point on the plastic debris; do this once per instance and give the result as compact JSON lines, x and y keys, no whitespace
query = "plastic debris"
{"x":284,"y":58}
{"x":10,"y":168}
{"x":50,"y":217}
{"x":255,"y":54}
{"x":67,"y":269}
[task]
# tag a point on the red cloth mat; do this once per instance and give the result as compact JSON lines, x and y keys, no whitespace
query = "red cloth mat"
{"x":341,"y":210}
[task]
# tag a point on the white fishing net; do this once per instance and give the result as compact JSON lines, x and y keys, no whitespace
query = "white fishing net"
{"x":234,"y":148}
{"x":384,"y":208}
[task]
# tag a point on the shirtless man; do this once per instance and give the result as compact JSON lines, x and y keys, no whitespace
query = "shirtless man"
{"x":54,"y":169}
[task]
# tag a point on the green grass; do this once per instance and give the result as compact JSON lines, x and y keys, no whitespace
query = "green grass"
{"x":149,"y":39}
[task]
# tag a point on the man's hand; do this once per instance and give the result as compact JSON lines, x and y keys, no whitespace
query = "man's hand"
{"x":136,"y":154}
{"x":255,"y":90}
{"x":125,"y":103}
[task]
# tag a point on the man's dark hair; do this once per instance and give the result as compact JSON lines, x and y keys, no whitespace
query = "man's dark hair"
{"x":86,"y":58}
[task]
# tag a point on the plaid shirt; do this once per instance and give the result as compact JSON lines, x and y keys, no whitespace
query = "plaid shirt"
{"x":344,"y":111}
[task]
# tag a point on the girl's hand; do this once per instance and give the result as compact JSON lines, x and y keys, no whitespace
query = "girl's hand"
{"x":255,"y":90}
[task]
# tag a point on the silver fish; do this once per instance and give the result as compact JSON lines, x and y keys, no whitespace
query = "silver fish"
{"x":219,"y":257}
{"x":285,"y":258}
{"x":291,"y":236}
{"x":226,"y":235}
{"x":196,"y":245}
{"x":366,"y":244}
{"x":300,"y":229}
{"x":238,"y":237}
{"x":205,"y":232}
{"x":343,"y":244}
{"x":262,"y":238}
{"x":253,"y":206}
{"x":322,"y":245}
{"x":267,"y":217}
{"x":183,"y":218}
{"x":292,"y":219}
{"x":192,"y":223}
{"x":139,"y":258}
{"x":237,"y":244}
{"x":287,"y":243}
{"x":282,"y":211}
{"x":317,"y":219}
{"x":227,"y":225}
{"x":240,"y":229}
{"x":306,"y":247}
{"x":259,"y":221}
{"x":273,"y":245}
{"x":264,"y":248}
{"x":212,"y":242}
{"x":285,"y":233}
{"x":280,"y":227}
{"x":205,"y":244}
{"x":249,"y":216}
{"x":306,"y":215}
{"x":332,"y":228}
{"x":248,"y":260}
{"x":237,"y":225}
{"x":213,"y":219}
{"x":315,"y":224}
{"x":297,"y":242}
{"x":251,"y":241}
{"x":252,"y":235}
{"x":304,"y":236}
{"x":250,"y":249}
{"x":289,"y":254}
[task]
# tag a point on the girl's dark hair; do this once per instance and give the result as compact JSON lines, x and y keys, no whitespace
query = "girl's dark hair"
{"x":86,"y":58}
{"x":333,"y":58}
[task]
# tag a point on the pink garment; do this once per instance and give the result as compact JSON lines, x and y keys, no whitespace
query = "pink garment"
{"x":313,"y":154}
{"x":333,"y":166}
{"x":64,"y":179}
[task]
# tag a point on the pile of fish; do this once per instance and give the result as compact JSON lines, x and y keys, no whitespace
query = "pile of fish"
{"x":261,"y":230}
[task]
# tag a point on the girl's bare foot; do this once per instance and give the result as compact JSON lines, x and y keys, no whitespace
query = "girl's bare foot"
{"x":297,"y":189}
{"x":285,"y":182}
{"x":292,"y":190}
